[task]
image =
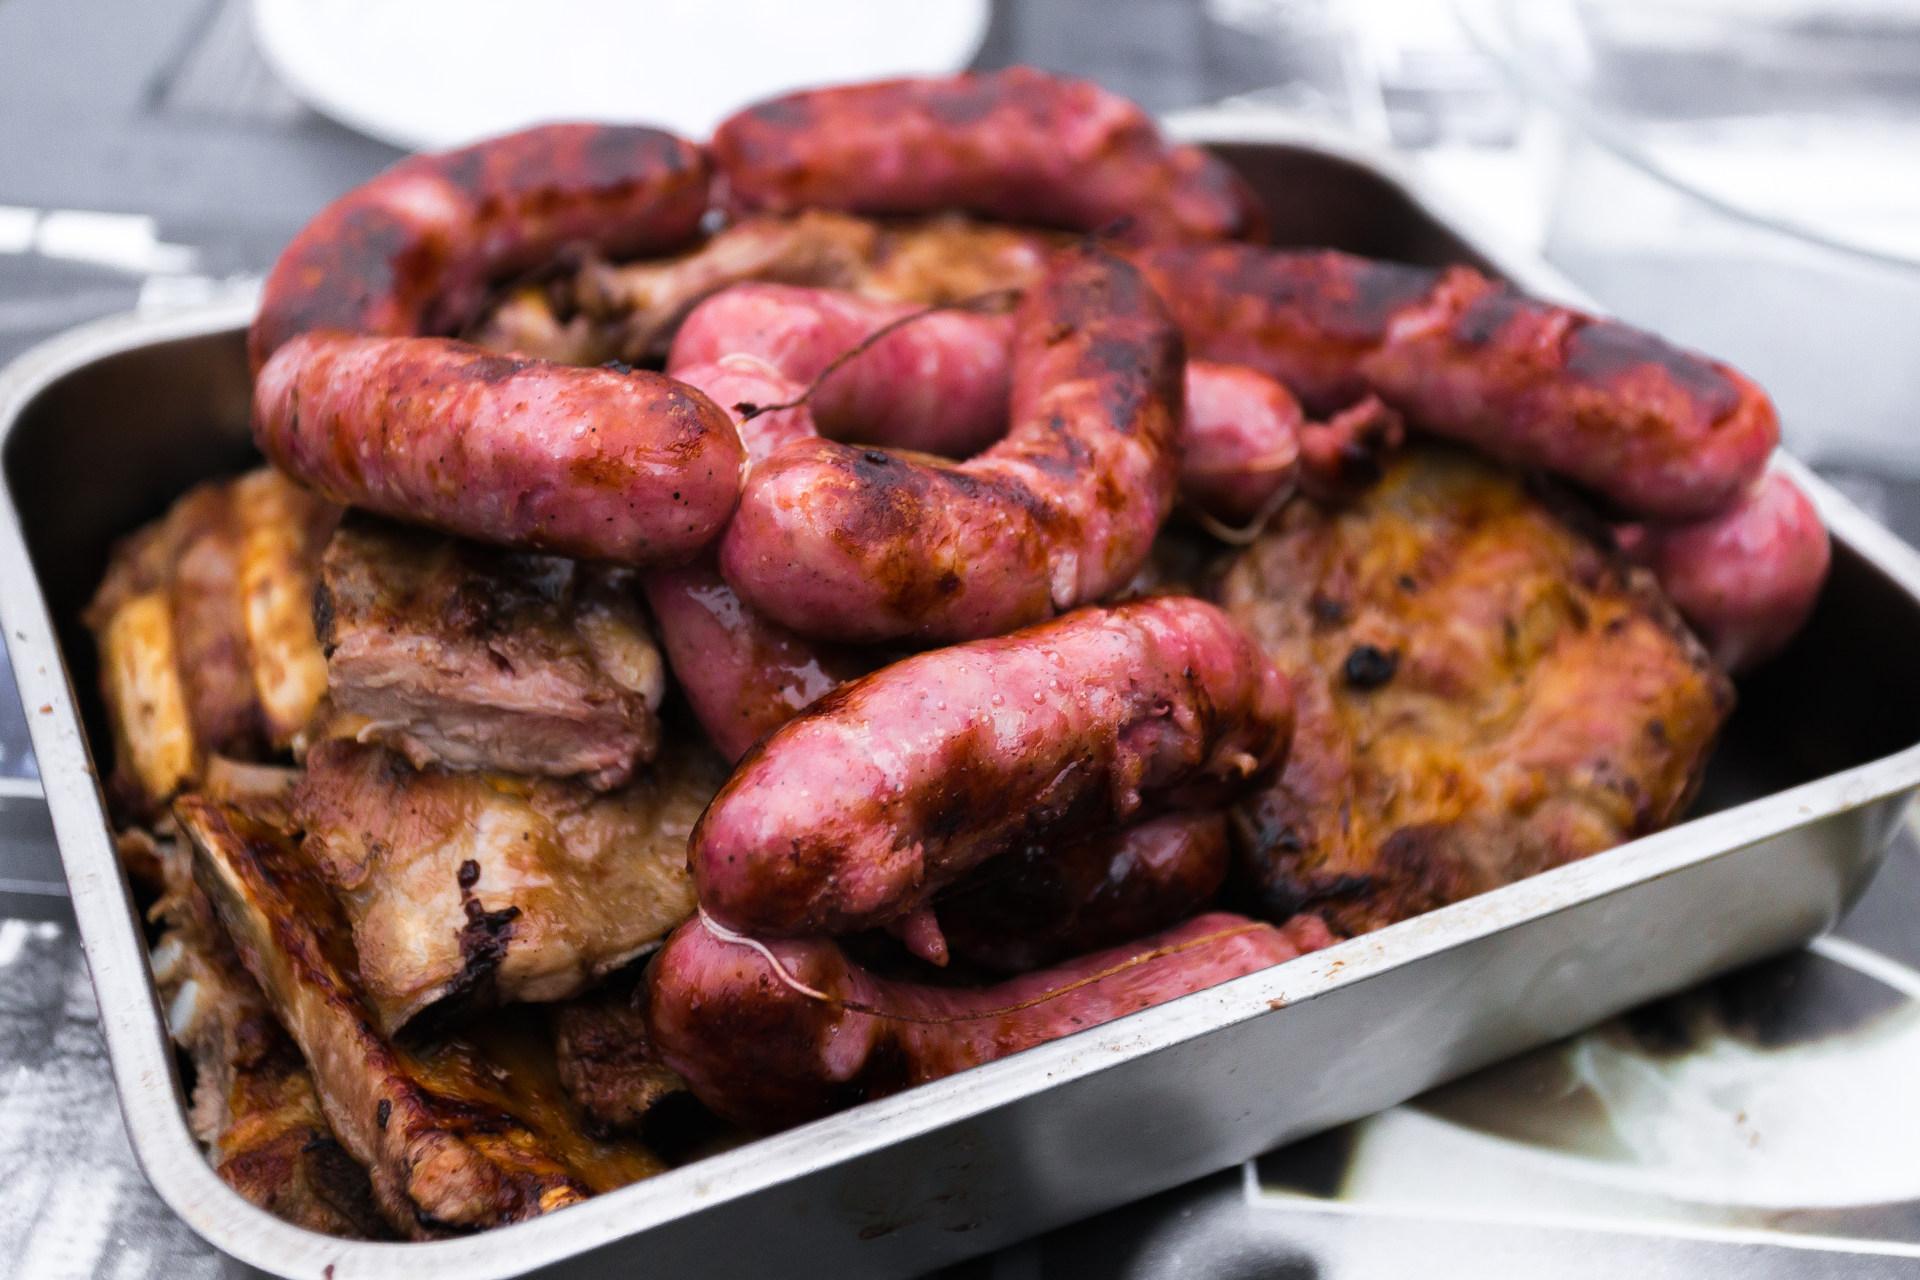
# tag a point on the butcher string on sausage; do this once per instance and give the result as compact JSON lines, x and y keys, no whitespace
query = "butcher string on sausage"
{"x":993,"y":302}
{"x":1247,"y":534}
{"x":788,"y":979}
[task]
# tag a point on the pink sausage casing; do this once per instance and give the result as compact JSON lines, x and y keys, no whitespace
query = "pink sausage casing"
{"x":939,"y":385}
{"x":414,"y":251}
{"x":743,"y":675}
{"x":1019,"y":144}
{"x":1747,"y":579}
{"x":936,"y":385}
{"x":597,"y":464}
{"x":864,"y":544}
{"x":1662,"y":432}
{"x":765,"y":1055}
{"x":855,"y":812}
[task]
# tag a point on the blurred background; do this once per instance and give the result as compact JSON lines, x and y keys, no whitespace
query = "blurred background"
{"x":1741,"y":175}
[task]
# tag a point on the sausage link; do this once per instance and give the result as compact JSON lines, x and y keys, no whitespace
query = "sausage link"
{"x":729,"y":1015}
{"x":865,"y":544}
{"x":936,"y":385}
{"x":414,"y":251}
{"x":1241,"y":446}
{"x":1660,"y":431}
{"x":939,"y":385}
{"x":592,"y":463}
{"x":1037,"y":907}
{"x":744,"y":676}
{"x":1746,"y":579}
{"x":892,"y":787}
{"x":1020,"y":144}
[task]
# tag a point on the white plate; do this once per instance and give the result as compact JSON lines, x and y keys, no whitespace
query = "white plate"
{"x":430,"y":74}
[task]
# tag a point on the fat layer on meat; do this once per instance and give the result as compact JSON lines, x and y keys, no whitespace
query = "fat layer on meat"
{"x":476,"y":658}
{"x":1484,"y":692}
{"x":456,"y":1134}
{"x":476,"y":888}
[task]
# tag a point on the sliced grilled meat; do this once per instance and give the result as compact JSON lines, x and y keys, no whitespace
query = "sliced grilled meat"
{"x":457,"y":1135}
{"x":1484,"y":693}
{"x":476,"y":658}
{"x":478,"y":888}
{"x":205,"y":627}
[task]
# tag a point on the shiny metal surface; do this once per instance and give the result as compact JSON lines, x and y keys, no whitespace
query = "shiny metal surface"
{"x":105,"y":424}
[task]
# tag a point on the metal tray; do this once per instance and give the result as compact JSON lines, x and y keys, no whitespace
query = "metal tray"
{"x":103,"y":426}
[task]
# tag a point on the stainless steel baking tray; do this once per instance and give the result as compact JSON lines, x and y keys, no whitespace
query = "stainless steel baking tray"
{"x":104,"y":425}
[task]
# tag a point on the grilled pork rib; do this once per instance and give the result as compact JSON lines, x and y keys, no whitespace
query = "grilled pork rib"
{"x":476,"y":888}
{"x":456,"y":1135}
{"x":205,"y":627}
{"x":476,"y":658}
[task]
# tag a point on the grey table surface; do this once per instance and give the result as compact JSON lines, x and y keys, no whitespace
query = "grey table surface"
{"x":162,"y":115}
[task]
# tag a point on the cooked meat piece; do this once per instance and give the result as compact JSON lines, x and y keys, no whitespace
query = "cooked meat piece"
{"x":254,"y":1104}
{"x":476,"y":658}
{"x":456,"y":1136}
{"x":283,"y":528}
{"x":1484,"y":693}
{"x":607,"y":1060}
{"x":479,"y":888}
{"x":629,"y":311}
{"x":205,"y":627}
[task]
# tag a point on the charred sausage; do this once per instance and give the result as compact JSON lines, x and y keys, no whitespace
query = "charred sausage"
{"x":1662,"y":432}
{"x":414,"y":251}
{"x":855,"y":812}
{"x":865,"y":544}
{"x":593,"y":463}
{"x":1018,"y":144}
{"x":772,"y":1034}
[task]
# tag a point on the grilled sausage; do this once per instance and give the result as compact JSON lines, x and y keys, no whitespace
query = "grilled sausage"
{"x":744,"y":676}
{"x":886,"y":790}
{"x":864,"y":544}
{"x":1039,"y":906}
{"x":1662,"y":432}
{"x":939,"y":383}
{"x":1746,"y":579}
{"x":1018,"y":144}
{"x":415,"y":250}
{"x":593,"y":463}
{"x":772,"y":1034}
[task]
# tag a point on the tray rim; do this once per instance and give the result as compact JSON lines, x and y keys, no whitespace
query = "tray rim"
{"x":142,"y":1057}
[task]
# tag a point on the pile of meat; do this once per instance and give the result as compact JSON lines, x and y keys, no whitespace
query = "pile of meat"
{"x":732,"y":631}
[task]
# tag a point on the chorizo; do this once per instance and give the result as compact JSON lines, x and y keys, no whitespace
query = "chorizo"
{"x":866,"y":544}
{"x":857,"y":811}
{"x":1662,"y":432}
{"x":770,"y":1034}
{"x":1020,"y":144}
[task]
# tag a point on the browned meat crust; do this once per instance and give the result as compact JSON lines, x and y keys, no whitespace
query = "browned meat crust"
{"x":1484,"y":694}
{"x":254,"y":1104}
{"x":204,"y":622}
{"x":469,"y":1133}
{"x":454,"y":653}
{"x":607,"y":1060}
{"x":629,"y":311}
{"x":475,"y":888}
